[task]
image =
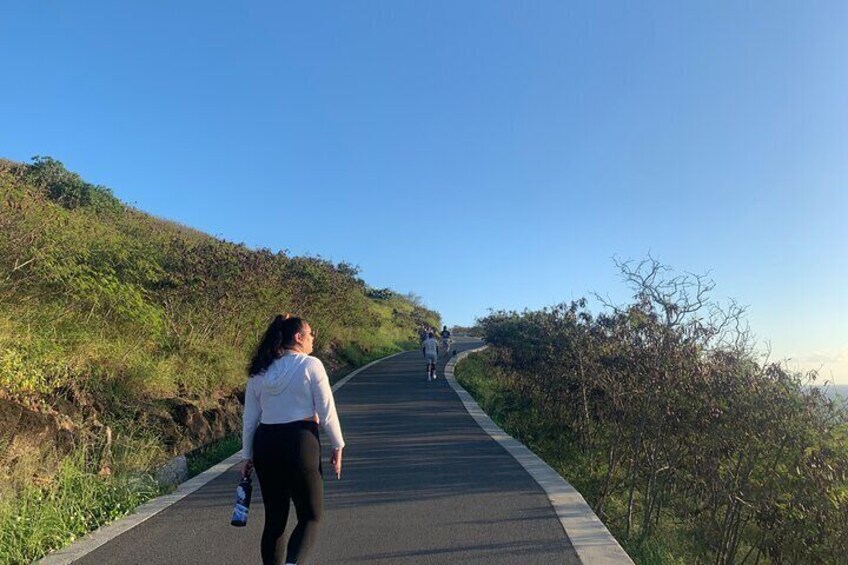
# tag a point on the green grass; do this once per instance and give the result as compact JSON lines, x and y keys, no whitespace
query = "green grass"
{"x":37,"y":520}
{"x":201,"y":459}
{"x":110,"y":297}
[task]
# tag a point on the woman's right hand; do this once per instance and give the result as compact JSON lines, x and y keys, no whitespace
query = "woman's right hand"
{"x":247,"y":467}
{"x":336,"y":460}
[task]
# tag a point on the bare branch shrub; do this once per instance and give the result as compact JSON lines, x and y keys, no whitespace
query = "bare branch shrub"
{"x":682,"y":422}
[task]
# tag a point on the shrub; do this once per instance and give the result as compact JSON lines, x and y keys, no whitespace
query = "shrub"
{"x":681,"y":423}
{"x":66,"y":187}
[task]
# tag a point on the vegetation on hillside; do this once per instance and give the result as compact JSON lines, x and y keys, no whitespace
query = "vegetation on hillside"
{"x":471,"y":331}
{"x":124,"y":338}
{"x":689,"y":446}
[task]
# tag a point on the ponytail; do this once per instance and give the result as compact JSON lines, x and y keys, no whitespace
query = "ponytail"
{"x":279,"y":335}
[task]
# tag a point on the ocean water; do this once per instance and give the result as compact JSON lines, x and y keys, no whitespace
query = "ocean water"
{"x":841,"y":390}
{"x":836,"y":390}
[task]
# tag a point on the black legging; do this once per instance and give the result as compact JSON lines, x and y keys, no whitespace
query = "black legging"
{"x":287,"y":459}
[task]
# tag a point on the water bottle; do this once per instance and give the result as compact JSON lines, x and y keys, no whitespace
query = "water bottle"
{"x":243,"y":492}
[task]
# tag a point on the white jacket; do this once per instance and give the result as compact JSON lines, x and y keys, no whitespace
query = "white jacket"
{"x":294,"y":387}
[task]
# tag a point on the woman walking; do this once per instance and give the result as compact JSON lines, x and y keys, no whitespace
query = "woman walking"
{"x":288,"y":395}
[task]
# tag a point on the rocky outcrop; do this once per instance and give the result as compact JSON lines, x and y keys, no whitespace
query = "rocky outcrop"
{"x":174,"y":472}
{"x":192,"y":427}
{"x":35,"y":439}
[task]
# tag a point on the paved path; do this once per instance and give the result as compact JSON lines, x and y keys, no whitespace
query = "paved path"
{"x":421,"y":483}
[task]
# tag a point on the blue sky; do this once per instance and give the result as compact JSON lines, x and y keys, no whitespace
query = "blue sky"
{"x":480,"y":154}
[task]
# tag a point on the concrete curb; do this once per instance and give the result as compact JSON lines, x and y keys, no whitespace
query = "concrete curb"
{"x":592,"y":542}
{"x":104,"y":534}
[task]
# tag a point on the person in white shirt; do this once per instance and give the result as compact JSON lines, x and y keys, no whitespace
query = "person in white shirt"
{"x":430,"y":349}
{"x":288,"y":395}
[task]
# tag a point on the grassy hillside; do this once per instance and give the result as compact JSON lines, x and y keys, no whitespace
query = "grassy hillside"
{"x":124,"y":337}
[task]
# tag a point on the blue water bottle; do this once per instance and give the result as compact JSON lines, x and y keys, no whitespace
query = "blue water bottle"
{"x":243,"y":492}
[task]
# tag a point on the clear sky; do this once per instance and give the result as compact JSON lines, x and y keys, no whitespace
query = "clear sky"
{"x":482,"y":154}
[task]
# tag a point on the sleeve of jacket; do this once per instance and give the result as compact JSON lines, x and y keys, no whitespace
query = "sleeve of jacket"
{"x":250,"y":419}
{"x":324,"y":404}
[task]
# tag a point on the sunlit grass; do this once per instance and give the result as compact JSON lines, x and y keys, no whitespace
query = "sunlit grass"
{"x":40,"y":519}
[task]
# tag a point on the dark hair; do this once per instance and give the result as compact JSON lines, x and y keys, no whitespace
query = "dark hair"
{"x":429,"y":334}
{"x":279,"y":335}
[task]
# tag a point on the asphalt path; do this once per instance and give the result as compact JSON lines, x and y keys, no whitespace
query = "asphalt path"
{"x":421,"y":483}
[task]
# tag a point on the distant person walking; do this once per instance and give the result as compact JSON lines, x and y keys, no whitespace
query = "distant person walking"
{"x":446,"y":341}
{"x":430,"y":349}
{"x":288,"y":395}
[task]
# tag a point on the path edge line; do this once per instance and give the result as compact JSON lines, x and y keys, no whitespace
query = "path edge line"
{"x":590,"y":538}
{"x":106,"y":533}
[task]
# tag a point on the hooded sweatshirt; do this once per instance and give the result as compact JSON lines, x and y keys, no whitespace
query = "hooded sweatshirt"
{"x":294,"y":387}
